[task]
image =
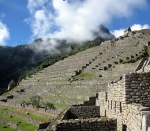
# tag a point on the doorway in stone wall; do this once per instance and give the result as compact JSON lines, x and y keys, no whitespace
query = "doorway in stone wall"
{"x":124,"y":127}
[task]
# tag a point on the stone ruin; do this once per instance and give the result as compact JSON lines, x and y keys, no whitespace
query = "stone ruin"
{"x":127,"y":30}
{"x":11,"y":85}
{"x":82,"y":118}
{"x":128,"y":101}
{"x":124,"y":106}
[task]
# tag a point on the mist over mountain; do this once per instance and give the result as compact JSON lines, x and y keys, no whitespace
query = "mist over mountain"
{"x":16,"y":61}
{"x":52,"y":45}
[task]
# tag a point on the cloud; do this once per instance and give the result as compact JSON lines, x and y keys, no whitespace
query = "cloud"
{"x":139,"y":27}
{"x":76,"y":19}
{"x":4,"y":33}
{"x":134,"y":27}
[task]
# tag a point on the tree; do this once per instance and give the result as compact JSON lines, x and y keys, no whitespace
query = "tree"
{"x":35,"y":101}
{"x":47,"y":105}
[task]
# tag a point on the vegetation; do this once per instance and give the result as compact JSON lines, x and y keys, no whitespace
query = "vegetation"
{"x":36,"y":102}
{"x":146,"y":31}
{"x":41,"y":118}
{"x":47,"y":105}
{"x":145,"y":53}
{"x":24,"y":125}
{"x":4,"y":127}
{"x":84,"y":75}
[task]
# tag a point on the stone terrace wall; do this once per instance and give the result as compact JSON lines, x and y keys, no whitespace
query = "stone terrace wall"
{"x":83,"y":112}
{"x":137,"y":88}
{"x":11,"y":124}
{"x":65,"y":123}
{"x":28,"y":119}
{"x":88,"y":125}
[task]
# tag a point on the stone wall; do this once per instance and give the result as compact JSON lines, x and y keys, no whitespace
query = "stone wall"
{"x":90,"y":102}
{"x":137,"y":88}
{"x":81,"y":112}
{"x":145,"y":119}
{"x":129,"y":119}
{"x":28,"y":119}
{"x":66,"y":120}
{"x":112,"y":99}
{"x":11,"y":124}
{"x":125,"y":100}
{"x":88,"y":125}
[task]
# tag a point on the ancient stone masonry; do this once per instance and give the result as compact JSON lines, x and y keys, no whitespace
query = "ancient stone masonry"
{"x":11,"y":124}
{"x":127,"y":30}
{"x":128,"y":101}
{"x":83,"y":112}
{"x":124,"y":104}
{"x":137,"y":88}
{"x":11,"y":85}
{"x":83,"y":118}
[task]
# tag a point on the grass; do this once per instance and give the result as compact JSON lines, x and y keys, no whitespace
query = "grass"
{"x":85,"y":75}
{"x":60,"y":104}
{"x":7,"y":128}
{"x":9,"y":91}
{"x":146,"y":53}
{"x":24,"y":125}
{"x":40,"y":118}
{"x":147,"y":31}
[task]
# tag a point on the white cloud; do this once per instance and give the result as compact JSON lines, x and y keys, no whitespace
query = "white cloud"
{"x":134,"y":27}
{"x":76,"y":19}
{"x":139,"y":27}
{"x":118,"y":33}
{"x":4,"y":33}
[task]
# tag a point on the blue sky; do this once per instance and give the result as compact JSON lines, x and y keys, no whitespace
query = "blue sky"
{"x":22,"y":21}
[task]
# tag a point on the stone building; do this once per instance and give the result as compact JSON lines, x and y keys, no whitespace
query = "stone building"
{"x":11,"y":85}
{"x":127,"y":100}
{"x":127,"y":30}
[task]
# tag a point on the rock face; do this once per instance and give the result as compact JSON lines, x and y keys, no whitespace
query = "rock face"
{"x":103,"y":33}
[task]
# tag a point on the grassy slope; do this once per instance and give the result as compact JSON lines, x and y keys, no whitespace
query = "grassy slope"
{"x":147,"y":31}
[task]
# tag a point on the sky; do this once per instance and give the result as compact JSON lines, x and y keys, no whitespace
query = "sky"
{"x":22,"y":21}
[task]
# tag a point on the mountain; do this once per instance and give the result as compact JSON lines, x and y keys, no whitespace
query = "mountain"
{"x":19,"y":60}
{"x":119,"y":66}
{"x":103,"y":33}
